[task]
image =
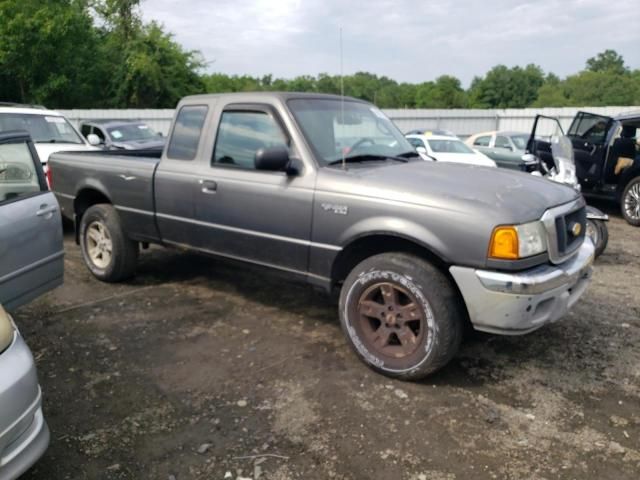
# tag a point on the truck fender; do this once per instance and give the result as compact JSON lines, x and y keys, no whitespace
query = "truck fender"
{"x":594,"y":214}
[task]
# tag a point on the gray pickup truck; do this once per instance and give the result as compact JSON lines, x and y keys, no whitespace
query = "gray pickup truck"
{"x":328,"y":190}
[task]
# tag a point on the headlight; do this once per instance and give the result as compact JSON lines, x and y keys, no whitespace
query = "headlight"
{"x":511,"y":242}
{"x":6,"y":330}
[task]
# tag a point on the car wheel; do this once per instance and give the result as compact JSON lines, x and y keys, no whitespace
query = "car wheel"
{"x":106,"y":250}
{"x":401,"y":315}
{"x":630,"y":203}
{"x":598,"y":232}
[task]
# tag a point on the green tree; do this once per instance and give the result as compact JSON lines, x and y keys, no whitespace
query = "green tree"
{"x":505,"y":87}
{"x":47,"y":52}
{"x":608,"y":61}
{"x":445,"y":92}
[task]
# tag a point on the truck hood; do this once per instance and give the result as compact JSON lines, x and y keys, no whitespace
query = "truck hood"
{"x":508,"y":196}
{"x":46,"y":149}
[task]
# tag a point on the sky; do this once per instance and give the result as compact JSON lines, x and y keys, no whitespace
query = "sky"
{"x":412,"y":41}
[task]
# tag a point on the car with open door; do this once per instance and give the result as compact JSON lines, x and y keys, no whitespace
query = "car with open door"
{"x":31,"y":246}
{"x":553,"y":153}
{"x":607,"y":158}
{"x":31,"y":263}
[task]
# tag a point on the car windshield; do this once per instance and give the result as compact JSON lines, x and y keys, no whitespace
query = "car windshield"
{"x":132,"y":132}
{"x":448,"y":146}
{"x":520,"y":141}
{"x":42,"y":128}
{"x":348,"y":128}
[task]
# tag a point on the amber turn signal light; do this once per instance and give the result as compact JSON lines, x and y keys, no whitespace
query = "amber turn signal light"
{"x":504,"y":243}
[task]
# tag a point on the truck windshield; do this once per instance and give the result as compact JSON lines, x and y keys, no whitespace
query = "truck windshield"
{"x":132,"y":132}
{"x":349,"y":128}
{"x":42,"y":128}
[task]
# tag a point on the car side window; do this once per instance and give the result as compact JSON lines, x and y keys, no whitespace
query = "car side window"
{"x":187,"y":129}
{"x":503,"y":142}
{"x":241,"y":134}
{"x":482,"y":141}
{"x":18,"y":174}
{"x":416,"y":142}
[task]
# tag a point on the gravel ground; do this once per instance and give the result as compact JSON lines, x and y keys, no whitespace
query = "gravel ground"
{"x":199,"y":369}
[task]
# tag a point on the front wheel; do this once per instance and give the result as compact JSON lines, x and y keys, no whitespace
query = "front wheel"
{"x":598,"y":232}
{"x":630,"y":202}
{"x":106,"y":250}
{"x":401,"y":315}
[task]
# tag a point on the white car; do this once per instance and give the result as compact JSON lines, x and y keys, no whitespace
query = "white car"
{"x":50,"y":131}
{"x":444,"y":148}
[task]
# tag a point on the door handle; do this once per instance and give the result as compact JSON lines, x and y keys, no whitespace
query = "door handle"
{"x":208,"y":186}
{"x":127,"y":178}
{"x":46,"y":211}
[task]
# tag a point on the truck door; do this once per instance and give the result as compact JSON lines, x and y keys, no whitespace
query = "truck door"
{"x":260,"y":216}
{"x":31,"y":242}
{"x":588,"y":134}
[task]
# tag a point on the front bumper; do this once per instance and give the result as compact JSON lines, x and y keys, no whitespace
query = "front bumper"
{"x":24,"y":435}
{"x":518,"y":303}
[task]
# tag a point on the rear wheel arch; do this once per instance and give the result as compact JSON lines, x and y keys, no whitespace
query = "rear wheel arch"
{"x":85,"y":199}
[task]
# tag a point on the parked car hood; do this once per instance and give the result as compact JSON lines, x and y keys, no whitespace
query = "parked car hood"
{"x":509,"y":196}
{"x":46,"y":149}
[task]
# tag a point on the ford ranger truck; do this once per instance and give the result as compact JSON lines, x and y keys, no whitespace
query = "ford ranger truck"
{"x":328,"y":190}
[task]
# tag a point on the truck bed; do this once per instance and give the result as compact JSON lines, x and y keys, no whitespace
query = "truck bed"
{"x":126,"y":175}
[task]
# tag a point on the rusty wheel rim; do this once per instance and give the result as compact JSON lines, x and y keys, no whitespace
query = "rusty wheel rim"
{"x":391,"y":320}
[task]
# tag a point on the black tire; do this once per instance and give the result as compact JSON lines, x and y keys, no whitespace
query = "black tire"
{"x":600,"y":236}
{"x":630,"y":198}
{"x":121,"y":263}
{"x":437,"y":339}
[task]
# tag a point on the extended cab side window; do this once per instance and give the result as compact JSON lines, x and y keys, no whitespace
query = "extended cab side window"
{"x":18,"y":174}
{"x":482,"y":141}
{"x":241,"y":134}
{"x":185,"y":137}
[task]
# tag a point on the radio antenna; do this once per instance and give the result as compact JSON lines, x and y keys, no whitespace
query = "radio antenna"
{"x":344,"y":162}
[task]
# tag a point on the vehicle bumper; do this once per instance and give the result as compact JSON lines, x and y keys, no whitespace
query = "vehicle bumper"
{"x":518,"y":303}
{"x":24,"y":435}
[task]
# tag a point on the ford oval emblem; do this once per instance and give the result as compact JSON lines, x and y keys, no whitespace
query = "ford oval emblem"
{"x":576,"y":229}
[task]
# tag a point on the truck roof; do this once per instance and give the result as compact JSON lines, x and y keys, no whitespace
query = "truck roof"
{"x":252,"y":96}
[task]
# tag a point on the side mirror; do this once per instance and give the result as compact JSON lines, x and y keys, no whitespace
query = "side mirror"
{"x":274,"y":159}
{"x":421,"y":150}
{"x":93,"y":139}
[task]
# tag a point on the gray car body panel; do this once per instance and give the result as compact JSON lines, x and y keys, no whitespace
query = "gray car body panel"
{"x":24,"y":435}
{"x":300,"y":223}
{"x":31,"y":243}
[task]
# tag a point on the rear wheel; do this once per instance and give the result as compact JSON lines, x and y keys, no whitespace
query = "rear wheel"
{"x":107,"y":252}
{"x":401,"y":315}
{"x":630,"y":203}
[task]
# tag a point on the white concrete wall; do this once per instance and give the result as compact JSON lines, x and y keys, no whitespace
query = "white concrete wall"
{"x":461,"y":122}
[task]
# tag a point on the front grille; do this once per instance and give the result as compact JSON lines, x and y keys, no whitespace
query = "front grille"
{"x":567,"y":240}
{"x":561,"y":225}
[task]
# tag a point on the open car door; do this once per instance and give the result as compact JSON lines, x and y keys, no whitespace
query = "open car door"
{"x":588,"y":133}
{"x":539,"y":143}
{"x":31,"y":241}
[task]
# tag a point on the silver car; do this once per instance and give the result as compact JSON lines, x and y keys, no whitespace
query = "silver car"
{"x":31,"y":263}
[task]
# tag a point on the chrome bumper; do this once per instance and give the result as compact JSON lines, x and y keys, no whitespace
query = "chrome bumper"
{"x":518,"y":303}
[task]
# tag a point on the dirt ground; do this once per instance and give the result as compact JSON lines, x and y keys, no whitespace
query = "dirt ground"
{"x":199,"y":369}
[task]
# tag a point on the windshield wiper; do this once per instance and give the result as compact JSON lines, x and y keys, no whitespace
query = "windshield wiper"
{"x":365,"y":157}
